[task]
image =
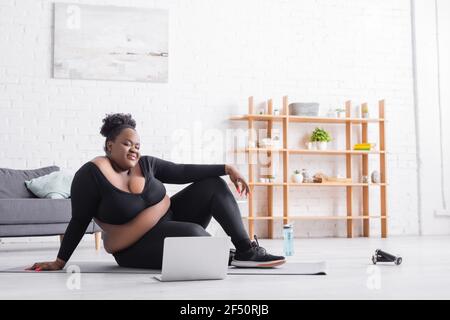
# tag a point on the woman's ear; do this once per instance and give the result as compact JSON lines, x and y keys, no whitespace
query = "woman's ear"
{"x":108,"y":147}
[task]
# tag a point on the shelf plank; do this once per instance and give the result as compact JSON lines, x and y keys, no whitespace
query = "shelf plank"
{"x":275,"y":184}
{"x":306,"y":151}
{"x":260,"y":117}
{"x":328,"y":184}
{"x":315,"y":218}
{"x":332,"y":152}
{"x":332,"y":120}
{"x":265,"y":117}
{"x":261,"y":149}
{"x":334,"y":184}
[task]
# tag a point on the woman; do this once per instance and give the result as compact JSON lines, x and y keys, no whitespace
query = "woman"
{"x":124,"y":193}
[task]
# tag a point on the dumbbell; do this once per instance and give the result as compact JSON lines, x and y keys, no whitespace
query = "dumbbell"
{"x":381,"y":256}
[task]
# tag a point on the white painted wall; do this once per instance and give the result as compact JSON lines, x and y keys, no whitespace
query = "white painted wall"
{"x":432,"y":44}
{"x":221,"y":52}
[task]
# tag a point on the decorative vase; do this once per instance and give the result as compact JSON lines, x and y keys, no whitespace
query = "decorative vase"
{"x":341,"y":114}
{"x":311,"y":145}
{"x":332,"y":113}
{"x":322,"y":145}
{"x":297,"y":177}
{"x":376,"y":178}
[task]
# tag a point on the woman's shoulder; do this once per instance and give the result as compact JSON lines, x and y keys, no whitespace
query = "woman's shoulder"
{"x":88,"y":168}
{"x":99,"y":160}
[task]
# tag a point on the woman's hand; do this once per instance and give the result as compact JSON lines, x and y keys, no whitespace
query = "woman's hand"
{"x":237,"y":179}
{"x":58,"y":264}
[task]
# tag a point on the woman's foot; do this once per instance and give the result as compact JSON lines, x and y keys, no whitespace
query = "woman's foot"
{"x":256,"y":257}
{"x":231,"y":256}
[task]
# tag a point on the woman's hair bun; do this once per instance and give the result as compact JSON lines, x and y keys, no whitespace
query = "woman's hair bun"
{"x":114,"y":120}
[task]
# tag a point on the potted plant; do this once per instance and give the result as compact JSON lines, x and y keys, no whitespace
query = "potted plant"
{"x":321,"y":137}
{"x":341,"y":112}
{"x":297,"y":177}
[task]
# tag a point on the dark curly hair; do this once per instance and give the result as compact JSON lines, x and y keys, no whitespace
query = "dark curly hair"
{"x":113,"y":124}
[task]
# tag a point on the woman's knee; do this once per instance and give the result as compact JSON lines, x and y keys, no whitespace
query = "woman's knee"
{"x":215,"y":184}
{"x":194,"y":230}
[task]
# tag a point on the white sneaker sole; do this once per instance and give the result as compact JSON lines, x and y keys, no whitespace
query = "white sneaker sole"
{"x":257,"y":264}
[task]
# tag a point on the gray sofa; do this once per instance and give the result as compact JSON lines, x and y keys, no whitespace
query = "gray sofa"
{"x":22,"y":214}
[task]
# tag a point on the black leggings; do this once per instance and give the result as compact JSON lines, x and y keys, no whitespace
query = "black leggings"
{"x":190,"y":212}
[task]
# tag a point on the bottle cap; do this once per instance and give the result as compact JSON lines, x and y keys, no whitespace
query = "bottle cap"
{"x":287,"y":226}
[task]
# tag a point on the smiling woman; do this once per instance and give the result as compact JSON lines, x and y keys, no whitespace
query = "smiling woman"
{"x":121,"y":136}
{"x":124,"y":193}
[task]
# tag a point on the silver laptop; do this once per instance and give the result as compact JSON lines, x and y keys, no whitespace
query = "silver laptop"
{"x":195,"y":258}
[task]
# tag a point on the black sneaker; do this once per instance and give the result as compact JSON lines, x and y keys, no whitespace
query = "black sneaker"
{"x":256,"y":257}
{"x":232,"y":253}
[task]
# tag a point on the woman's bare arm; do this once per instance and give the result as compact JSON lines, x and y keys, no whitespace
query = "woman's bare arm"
{"x":119,"y":237}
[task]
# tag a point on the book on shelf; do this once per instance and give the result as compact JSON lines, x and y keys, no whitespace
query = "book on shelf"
{"x":363,"y":146}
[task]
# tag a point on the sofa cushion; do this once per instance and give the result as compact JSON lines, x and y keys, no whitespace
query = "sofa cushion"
{"x":55,"y":185}
{"x":12,"y":181}
{"x":29,"y":211}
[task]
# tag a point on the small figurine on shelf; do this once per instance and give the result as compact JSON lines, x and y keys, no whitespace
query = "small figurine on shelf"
{"x":332,"y":113}
{"x":262,"y":110}
{"x":319,"y":177}
{"x":365,"y":111}
{"x":341,"y":113}
{"x":306,"y":176}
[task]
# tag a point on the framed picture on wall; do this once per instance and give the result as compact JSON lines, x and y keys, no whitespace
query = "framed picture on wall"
{"x":110,"y":43}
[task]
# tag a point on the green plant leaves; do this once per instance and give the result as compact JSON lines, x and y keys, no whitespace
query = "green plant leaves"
{"x":320,"y":135}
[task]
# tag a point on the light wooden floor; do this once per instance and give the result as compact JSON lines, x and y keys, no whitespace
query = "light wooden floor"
{"x":424,"y":274}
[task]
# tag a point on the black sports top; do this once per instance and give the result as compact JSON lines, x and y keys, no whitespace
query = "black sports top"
{"x":92,"y":195}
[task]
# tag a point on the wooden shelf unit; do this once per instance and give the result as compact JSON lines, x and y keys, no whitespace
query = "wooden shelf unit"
{"x":348,"y":121}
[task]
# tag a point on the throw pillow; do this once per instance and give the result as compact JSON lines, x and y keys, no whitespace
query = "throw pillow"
{"x":55,"y":185}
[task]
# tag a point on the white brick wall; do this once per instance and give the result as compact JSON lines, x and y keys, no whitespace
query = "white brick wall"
{"x":220,"y":53}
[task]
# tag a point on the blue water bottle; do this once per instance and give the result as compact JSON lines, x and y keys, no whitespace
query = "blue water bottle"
{"x":288,"y":239}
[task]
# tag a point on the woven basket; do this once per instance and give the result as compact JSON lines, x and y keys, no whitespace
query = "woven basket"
{"x":307,"y":109}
